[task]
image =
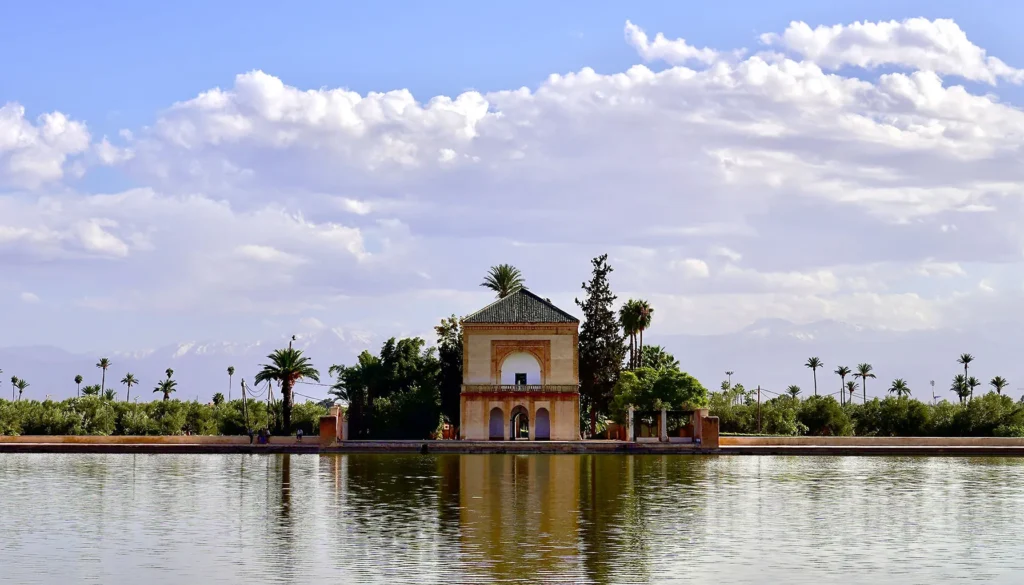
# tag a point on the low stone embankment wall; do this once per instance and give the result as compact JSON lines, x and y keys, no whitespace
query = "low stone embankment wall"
{"x":726,"y":441}
{"x":150,"y":440}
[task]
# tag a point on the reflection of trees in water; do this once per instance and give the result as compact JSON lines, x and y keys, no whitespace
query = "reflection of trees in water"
{"x":390,"y":508}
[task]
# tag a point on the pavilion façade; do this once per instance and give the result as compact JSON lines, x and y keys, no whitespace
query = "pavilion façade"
{"x":520,"y":371}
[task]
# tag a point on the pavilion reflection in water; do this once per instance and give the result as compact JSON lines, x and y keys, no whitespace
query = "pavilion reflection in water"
{"x":513,"y":499}
{"x":561,"y":518}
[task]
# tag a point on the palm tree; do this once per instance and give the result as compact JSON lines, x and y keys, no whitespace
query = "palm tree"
{"x":793,"y":391}
{"x":78,"y":383}
{"x":965,"y":359}
{"x":864,"y":372}
{"x":231,"y":372}
{"x":93,"y":390}
{"x":814,"y":363}
{"x":169,"y":373}
{"x":999,"y":383}
{"x":166,"y":386}
{"x":960,"y":387}
{"x":629,"y":318}
{"x":14,"y":386}
{"x":851,"y":387}
{"x":504,"y":279}
{"x":646,"y":312}
{"x":218,"y":399}
{"x":973,"y":383}
{"x":109,"y":394}
{"x":103,"y":364}
{"x":899,"y":388}
{"x":842,"y":372}
{"x":655,"y":356}
{"x":21,"y":385}
{"x":286,"y":367}
{"x":129,"y":380}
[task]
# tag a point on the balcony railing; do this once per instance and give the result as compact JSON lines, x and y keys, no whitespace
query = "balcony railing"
{"x":512,"y":388}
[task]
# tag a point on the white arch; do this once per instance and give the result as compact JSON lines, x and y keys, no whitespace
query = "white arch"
{"x":520,"y":363}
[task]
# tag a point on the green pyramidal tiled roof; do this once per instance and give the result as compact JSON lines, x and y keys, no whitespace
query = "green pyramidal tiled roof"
{"x":521,"y":306}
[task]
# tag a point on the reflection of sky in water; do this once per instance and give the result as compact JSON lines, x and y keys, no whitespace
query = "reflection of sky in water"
{"x":503,"y":518}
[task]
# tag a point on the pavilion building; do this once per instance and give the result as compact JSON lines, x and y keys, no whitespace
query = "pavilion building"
{"x":520,"y":371}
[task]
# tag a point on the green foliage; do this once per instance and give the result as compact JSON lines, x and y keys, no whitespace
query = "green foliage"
{"x":601,"y":344}
{"x":655,"y":356}
{"x":306,"y":416}
{"x":449,"y":352}
{"x":92,"y":415}
{"x":779,"y":416}
{"x":504,"y":279}
{"x":650,"y":389}
{"x":218,"y":399}
{"x":394,"y":396}
{"x":822,"y":416}
{"x":989,"y":415}
{"x":286,"y":367}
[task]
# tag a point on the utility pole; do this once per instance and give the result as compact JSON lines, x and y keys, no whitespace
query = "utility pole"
{"x":933,"y":391}
{"x":245,"y":409}
{"x":759,"y":409}
{"x":270,"y":401}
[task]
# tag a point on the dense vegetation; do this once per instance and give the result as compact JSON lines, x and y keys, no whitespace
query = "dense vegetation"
{"x":409,"y":390}
{"x":94,"y":415}
{"x":987,"y":415}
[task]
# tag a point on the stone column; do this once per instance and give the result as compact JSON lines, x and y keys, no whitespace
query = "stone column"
{"x":629,"y":425}
{"x":663,"y":426}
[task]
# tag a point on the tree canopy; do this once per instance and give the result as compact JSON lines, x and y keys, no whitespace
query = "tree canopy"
{"x":395,"y":395}
{"x":601,"y":344}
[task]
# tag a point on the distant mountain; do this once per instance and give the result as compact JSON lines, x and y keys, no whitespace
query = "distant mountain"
{"x":773,"y":352}
{"x":770,"y":353}
{"x":199,"y":367}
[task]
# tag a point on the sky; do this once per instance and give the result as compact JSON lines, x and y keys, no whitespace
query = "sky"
{"x":238,"y":171}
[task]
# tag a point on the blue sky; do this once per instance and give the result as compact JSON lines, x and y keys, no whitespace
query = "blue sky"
{"x":867,"y":174}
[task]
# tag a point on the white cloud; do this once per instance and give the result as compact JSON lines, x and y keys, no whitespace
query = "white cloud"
{"x":691,"y":267}
{"x":675,"y":52}
{"x":312,"y":324}
{"x":941,"y":269}
{"x":267,"y":254}
{"x":30,"y":298}
{"x":109,"y":154}
{"x":732,"y":188}
{"x":916,"y":43}
{"x":34,"y":154}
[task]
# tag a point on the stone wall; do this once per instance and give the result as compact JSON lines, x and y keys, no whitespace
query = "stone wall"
{"x":151,"y":440}
{"x":872,"y":441}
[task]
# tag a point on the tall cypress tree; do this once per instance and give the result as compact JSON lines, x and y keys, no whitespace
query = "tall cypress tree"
{"x":449,"y":351}
{"x":602,"y":346}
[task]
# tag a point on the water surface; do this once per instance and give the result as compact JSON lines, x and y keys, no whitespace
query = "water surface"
{"x":508,"y":518}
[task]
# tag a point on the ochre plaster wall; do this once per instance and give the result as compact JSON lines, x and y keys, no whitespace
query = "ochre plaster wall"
{"x":563,"y":413}
{"x":485,"y":347}
{"x":478,"y":366}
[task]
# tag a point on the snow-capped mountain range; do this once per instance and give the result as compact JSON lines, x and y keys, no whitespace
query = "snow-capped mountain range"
{"x":199,"y":367}
{"x":770,"y":353}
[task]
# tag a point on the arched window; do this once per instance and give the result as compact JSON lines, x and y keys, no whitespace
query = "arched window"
{"x":497,"y":425}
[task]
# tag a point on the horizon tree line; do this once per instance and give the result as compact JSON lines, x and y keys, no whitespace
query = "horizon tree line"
{"x":963,"y":384}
